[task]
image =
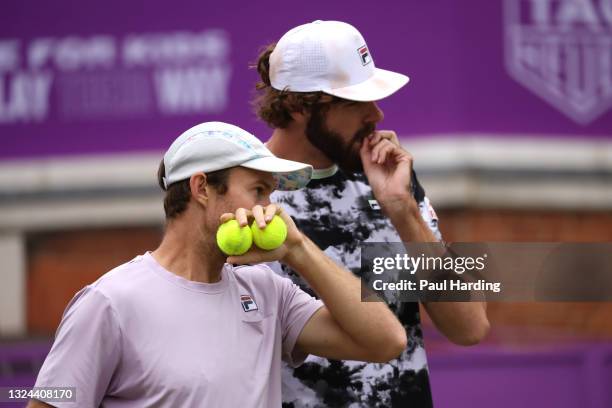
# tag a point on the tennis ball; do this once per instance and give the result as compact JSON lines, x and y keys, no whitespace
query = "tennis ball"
{"x":232,"y":239}
{"x":272,"y":236}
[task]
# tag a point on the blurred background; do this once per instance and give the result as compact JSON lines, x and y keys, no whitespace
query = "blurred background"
{"x":508,"y":115}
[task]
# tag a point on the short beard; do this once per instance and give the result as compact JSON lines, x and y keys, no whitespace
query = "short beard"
{"x":347,"y":156}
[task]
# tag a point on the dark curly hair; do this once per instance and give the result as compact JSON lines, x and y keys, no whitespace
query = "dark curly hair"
{"x":275,"y":107}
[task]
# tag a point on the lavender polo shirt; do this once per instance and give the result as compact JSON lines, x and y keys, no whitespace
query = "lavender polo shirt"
{"x":141,"y":336}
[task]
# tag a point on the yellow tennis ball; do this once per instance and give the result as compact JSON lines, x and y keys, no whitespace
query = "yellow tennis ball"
{"x":232,"y":239}
{"x":272,"y":236}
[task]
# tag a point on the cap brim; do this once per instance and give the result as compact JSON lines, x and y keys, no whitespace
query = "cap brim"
{"x":380,"y":85}
{"x":291,"y":175}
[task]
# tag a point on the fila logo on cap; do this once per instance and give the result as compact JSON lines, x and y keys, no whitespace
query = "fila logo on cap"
{"x":364,"y":54}
{"x":248,"y":303}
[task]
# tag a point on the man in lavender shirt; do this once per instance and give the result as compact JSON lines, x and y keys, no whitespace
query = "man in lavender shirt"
{"x":184,"y":326}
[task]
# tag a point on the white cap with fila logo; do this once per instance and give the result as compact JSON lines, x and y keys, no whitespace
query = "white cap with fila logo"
{"x":332,"y":57}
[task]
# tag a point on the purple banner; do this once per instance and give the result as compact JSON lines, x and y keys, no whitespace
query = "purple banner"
{"x":79,"y":78}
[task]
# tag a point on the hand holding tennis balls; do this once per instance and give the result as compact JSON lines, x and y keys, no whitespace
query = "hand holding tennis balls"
{"x":235,"y":240}
{"x":272,"y":230}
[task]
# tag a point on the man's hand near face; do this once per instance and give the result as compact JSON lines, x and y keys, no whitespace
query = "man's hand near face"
{"x":388,"y":168}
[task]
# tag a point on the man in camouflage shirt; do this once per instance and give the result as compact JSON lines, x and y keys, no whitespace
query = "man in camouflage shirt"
{"x":318,"y":90}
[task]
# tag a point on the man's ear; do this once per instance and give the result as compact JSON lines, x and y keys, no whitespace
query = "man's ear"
{"x":300,"y":117}
{"x":197,"y":186}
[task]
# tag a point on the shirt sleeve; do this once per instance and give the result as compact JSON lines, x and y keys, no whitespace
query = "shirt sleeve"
{"x":296,"y":308}
{"x":86,"y":349}
{"x":430,"y":217}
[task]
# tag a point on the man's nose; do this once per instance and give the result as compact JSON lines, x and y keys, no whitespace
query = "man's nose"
{"x":375,"y":114}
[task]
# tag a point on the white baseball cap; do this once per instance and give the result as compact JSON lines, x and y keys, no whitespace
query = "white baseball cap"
{"x":332,"y":57}
{"x":213,"y":146}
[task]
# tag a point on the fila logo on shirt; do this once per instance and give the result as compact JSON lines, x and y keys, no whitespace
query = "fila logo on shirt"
{"x":248,"y":303}
{"x":364,"y":54}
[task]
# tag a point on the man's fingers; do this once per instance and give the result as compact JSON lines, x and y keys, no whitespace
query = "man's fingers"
{"x":261,"y":215}
{"x":242,"y":216}
{"x":271,"y":211}
{"x":226,"y":217}
{"x":374,"y":153}
{"x":375,"y":138}
{"x":391,"y":136}
{"x":258,"y":214}
{"x":376,"y":150}
{"x":386,"y":135}
{"x":384,"y":153}
{"x":394,"y":139}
